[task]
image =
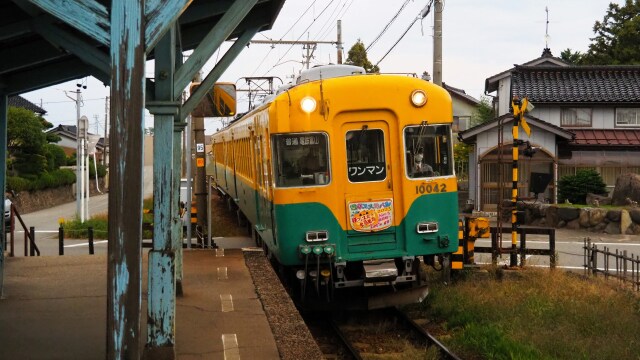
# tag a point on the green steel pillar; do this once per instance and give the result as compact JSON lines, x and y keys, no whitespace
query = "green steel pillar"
{"x":161,"y":307}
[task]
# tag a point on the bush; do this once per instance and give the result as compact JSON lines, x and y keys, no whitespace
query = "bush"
{"x":575,"y":187}
{"x":48,"y":180}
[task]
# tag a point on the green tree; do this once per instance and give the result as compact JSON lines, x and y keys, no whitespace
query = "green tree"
{"x":26,"y":142}
{"x":55,"y":156}
{"x":573,"y":58}
{"x":461,"y":153}
{"x":616,"y":37}
{"x":358,"y":56}
{"x":483,"y":112}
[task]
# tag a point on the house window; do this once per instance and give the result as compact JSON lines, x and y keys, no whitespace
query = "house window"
{"x":628,"y":117}
{"x":579,"y":117}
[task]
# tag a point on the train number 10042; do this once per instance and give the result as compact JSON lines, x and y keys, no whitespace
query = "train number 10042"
{"x":430,"y":188}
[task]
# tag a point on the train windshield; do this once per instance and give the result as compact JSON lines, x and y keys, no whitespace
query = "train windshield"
{"x":428,"y":151}
{"x":365,"y":155}
{"x":301,"y":159}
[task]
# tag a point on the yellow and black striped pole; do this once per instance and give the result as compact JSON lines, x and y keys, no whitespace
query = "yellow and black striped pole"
{"x":519,"y":108}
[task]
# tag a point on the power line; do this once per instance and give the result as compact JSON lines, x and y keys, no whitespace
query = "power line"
{"x":387,"y":26}
{"x":329,"y":19}
{"x":302,"y":33}
{"x":340,"y":15}
{"x":422,"y":15}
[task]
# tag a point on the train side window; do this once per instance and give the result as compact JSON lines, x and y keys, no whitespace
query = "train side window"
{"x":428,"y":151}
{"x":301,"y":159}
{"x":365,"y":155}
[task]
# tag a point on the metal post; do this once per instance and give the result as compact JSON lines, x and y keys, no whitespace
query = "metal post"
{"x":3,"y":173}
{"x":78,"y":158}
{"x":177,"y":235}
{"x":60,"y":240}
{"x":127,"y":54}
{"x":188,"y":152}
{"x":208,"y":212}
{"x":523,"y":248}
{"x":32,"y":241}
{"x":90,"y":231}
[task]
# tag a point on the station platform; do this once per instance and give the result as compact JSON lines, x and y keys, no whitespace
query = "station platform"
{"x":54,"y":307}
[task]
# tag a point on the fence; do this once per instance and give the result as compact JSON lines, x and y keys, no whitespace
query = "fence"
{"x":627,"y":267}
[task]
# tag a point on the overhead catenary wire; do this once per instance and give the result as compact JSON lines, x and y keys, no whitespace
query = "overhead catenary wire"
{"x":343,"y":10}
{"x":282,"y":37}
{"x":301,"y":34}
{"x":386,"y":27}
{"x":329,"y":19}
{"x":422,"y":15}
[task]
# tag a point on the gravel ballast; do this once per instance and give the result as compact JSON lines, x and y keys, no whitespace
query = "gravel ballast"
{"x":293,"y":339}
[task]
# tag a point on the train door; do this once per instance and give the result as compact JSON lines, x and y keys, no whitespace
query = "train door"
{"x":369,"y":197}
{"x":264,"y":206}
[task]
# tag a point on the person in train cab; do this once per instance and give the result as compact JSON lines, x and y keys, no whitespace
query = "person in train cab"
{"x":420,"y":167}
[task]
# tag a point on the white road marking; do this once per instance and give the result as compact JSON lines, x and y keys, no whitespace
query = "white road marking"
{"x":219,"y":252}
{"x":230,"y":346}
{"x":222,"y":273}
{"x":87,"y":244}
{"x":227,"y":302}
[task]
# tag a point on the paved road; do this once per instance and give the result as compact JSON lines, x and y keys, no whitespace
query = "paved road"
{"x":569,"y":246}
{"x":46,"y":223}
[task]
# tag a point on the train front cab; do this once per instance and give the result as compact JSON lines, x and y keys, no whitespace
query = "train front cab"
{"x":364,"y":213}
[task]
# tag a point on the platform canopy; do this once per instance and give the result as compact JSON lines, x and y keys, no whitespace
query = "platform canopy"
{"x":38,"y":50}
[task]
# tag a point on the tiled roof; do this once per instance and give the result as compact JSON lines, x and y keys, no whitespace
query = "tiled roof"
{"x":19,"y":101}
{"x":577,"y":84}
{"x":460,"y":93}
{"x":612,"y":137}
{"x":507,"y":119}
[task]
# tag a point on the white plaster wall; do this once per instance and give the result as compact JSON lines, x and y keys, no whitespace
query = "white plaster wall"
{"x":504,"y":95}
{"x":489,"y":139}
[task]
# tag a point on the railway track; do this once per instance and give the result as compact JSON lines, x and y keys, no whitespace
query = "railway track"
{"x":366,"y":334}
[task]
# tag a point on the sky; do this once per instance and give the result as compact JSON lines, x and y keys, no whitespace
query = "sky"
{"x":480,"y":39}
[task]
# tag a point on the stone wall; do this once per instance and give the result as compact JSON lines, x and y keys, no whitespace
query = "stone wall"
{"x":625,"y":220}
{"x":29,"y":201}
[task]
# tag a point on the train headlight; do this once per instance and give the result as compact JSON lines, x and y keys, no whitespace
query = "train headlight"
{"x":418,"y":98}
{"x":308,"y":104}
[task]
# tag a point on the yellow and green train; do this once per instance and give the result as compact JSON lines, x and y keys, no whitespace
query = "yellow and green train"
{"x":346,"y":178}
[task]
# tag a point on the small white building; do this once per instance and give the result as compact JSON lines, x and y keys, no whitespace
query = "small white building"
{"x":584,"y":117}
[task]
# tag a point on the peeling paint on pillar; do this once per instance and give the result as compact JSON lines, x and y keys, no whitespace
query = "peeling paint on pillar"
{"x":124,"y":265}
{"x":160,"y":324}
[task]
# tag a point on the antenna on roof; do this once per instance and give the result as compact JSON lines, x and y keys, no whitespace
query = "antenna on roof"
{"x":546,"y":31}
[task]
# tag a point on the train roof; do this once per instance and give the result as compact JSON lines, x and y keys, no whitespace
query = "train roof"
{"x":328,"y":71}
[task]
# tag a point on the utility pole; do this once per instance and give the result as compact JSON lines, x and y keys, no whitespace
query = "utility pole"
{"x":437,"y":44}
{"x":105,"y":152}
{"x":79,"y":136}
{"x":339,"y":41}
